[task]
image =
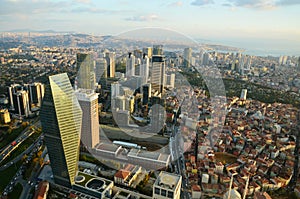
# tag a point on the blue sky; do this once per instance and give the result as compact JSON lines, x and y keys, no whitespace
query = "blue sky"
{"x":274,"y":21}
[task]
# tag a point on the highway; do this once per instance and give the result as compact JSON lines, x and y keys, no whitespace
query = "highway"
{"x":177,"y":150}
{"x":21,"y":138}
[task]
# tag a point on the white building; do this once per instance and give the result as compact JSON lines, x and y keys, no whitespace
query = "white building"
{"x":88,"y":101}
{"x":167,"y":185}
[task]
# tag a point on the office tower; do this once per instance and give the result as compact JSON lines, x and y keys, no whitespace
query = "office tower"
{"x":101,"y":69}
{"x":170,"y":80}
{"x":36,"y":93}
{"x":144,"y":69}
{"x":157,"y":50}
{"x":146,"y":93}
{"x":157,"y":114}
{"x":206,"y":59}
{"x":147,"y":51}
{"x":11,"y":90}
{"x":187,"y":56}
{"x":21,"y":103}
{"x":86,"y":74}
{"x":88,"y":101}
{"x":167,"y":185}
{"x":61,"y":118}
{"x":115,"y":89}
{"x":299,"y":62}
{"x":158,"y":73}
{"x":130,"y":65}
{"x":138,"y":54}
{"x":111,"y":66}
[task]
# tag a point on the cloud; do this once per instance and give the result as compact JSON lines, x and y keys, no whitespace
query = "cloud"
{"x":151,"y":17}
{"x":202,"y":2}
{"x":287,"y":2}
{"x":83,"y":1}
{"x":254,"y":4}
{"x":176,"y":4}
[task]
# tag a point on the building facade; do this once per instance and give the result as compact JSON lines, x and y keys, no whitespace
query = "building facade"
{"x":61,"y":118}
{"x":88,"y":101}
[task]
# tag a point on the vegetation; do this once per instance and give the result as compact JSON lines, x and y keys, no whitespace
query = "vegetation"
{"x":22,"y":147}
{"x":282,"y":194}
{"x":16,"y":193}
{"x":233,"y":87}
{"x":7,"y":174}
{"x":12,"y":134}
{"x":225,"y":158}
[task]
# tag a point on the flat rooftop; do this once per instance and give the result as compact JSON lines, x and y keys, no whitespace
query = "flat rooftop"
{"x":167,"y":180}
{"x":148,"y":155}
{"x":109,"y":147}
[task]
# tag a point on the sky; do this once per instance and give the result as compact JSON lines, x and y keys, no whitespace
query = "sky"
{"x":260,"y":24}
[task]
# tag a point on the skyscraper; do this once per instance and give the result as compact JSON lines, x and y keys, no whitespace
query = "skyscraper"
{"x":187,"y":55}
{"x":101,"y":69}
{"x":86,"y":74}
{"x":157,"y":50}
{"x":130,"y":65}
{"x":206,"y":59}
{"x":36,"y":93}
{"x":146,"y":93}
{"x":147,"y":51}
{"x":11,"y":90}
{"x":88,"y":101}
{"x":61,"y":118}
{"x":21,"y":103}
{"x":158,"y":73}
{"x":144,"y":69}
{"x":111,"y":65}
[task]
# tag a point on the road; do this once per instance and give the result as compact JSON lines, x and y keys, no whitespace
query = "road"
{"x":177,"y":150}
{"x":21,"y":138}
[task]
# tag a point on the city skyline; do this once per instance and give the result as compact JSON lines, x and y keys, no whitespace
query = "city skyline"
{"x":254,"y":24}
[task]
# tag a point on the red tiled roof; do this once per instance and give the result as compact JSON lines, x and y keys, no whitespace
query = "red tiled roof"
{"x":122,"y":174}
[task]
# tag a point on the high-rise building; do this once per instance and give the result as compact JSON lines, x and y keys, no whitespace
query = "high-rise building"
{"x":61,"y":118}
{"x":88,"y":101}
{"x":170,"y":80}
{"x":157,"y":50}
{"x":299,"y":62}
{"x":187,"y":56}
{"x":206,"y":59}
{"x":115,"y":89}
{"x":36,"y":93}
{"x":130,"y":65}
{"x":144,"y":69}
{"x":21,"y":103}
{"x":111,"y":65}
{"x":101,"y":69}
{"x":158,"y":116}
{"x":146,"y":93}
{"x":11,"y":90}
{"x":158,"y":73}
{"x":147,"y":51}
{"x":86,"y":74}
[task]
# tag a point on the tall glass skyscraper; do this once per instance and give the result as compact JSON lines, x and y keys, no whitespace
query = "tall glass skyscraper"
{"x":86,"y":74}
{"x":61,"y":118}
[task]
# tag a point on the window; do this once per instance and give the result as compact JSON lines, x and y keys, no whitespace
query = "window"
{"x":157,"y":191}
{"x":170,"y":194}
{"x":163,"y":193}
